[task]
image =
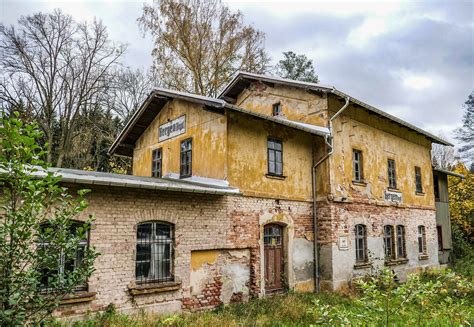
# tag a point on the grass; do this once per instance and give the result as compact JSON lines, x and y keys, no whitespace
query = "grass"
{"x":302,"y":309}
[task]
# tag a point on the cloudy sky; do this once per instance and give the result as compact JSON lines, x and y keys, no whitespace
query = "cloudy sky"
{"x":413,"y":59}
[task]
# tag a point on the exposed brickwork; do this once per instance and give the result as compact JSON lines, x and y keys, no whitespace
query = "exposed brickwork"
{"x":201,"y":222}
{"x":225,"y":223}
{"x":209,"y":298}
{"x":338,"y":219}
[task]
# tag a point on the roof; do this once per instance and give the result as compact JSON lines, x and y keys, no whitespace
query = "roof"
{"x":242,"y":79}
{"x":141,"y":119}
{"x":203,"y":185}
{"x":312,"y":129}
{"x":448,"y":172}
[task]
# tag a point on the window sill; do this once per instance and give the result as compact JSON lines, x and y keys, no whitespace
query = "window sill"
{"x":362,"y":265}
{"x":420,"y":193}
{"x":359,"y":183}
{"x":396,"y":262}
{"x":78,"y":297}
{"x":272,"y":176}
{"x":423,"y":257}
{"x":154,"y":288}
{"x":393,"y":189}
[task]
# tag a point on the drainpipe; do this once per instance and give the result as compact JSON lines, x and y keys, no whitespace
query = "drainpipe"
{"x":328,"y":141}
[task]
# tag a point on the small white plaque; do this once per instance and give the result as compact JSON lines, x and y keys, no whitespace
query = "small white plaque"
{"x":393,"y":196}
{"x":172,"y":128}
{"x":343,"y":243}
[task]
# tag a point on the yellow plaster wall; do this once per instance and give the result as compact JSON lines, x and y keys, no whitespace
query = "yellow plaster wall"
{"x":296,"y":103}
{"x":199,"y":258}
{"x":355,"y":130}
{"x":247,"y":159}
{"x":208,"y":132}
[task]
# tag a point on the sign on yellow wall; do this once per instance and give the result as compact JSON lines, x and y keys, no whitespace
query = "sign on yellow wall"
{"x":172,"y":128}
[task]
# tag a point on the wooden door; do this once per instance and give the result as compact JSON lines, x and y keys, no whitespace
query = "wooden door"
{"x":273,"y":261}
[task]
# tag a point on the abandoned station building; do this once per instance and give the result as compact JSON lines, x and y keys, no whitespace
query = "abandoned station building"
{"x":276,"y":184}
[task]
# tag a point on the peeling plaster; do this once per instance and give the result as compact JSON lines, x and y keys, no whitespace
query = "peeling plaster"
{"x":198,"y":258}
{"x":234,"y":281}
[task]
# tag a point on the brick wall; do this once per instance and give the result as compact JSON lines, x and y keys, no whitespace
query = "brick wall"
{"x":201,"y":222}
{"x":338,"y":219}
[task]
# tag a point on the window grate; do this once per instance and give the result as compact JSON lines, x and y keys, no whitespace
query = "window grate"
{"x":154,"y":257}
{"x":65,"y":264}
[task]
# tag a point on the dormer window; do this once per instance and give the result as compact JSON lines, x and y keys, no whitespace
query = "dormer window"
{"x":277,"y":109}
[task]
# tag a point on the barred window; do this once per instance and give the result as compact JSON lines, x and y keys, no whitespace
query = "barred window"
{"x":275,"y":157}
{"x":401,"y":252}
{"x":421,"y":240}
{"x":186,"y":158}
{"x":361,"y":243}
{"x":154,"y":257}
{"x":419,"y":184}
{"x":392,"y":174}
{"x":67,"y":262}
{"x":357,"y":165}
{"x":388,"y":241}
{"x":156,"y":164}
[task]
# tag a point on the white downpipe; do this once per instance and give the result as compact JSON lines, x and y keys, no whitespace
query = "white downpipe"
{"x":315,"y":216}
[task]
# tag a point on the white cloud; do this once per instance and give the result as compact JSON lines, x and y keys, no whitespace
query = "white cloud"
{"x":417,"y":82}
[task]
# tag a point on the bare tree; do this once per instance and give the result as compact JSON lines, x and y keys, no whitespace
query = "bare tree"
{"x":199,"y":45}
{"x":128,"y":89}
{"x":443,"y":156}
{"x":54,"y":68}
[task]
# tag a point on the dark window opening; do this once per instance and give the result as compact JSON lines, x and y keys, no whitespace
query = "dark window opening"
{"x":186,"y":158}
{"x":157,"y":163}
{"x":419,"y":184}
{"x":436,"y":187}
{"x":439,"y":230}
{"x":388,"y":241}
{"x":154,"y":257}
{"x":401,"y":250}
{"x":275,"y":157}
{"x":392,"y":174}
{"x":65,"y":262}
{"x":276,"y":109}
{"x":357,"y":165}
{"x":361,"y":243}
{"x":421,"y":240}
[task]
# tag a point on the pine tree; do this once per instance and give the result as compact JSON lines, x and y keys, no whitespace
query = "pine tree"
{"x":465,"y":134}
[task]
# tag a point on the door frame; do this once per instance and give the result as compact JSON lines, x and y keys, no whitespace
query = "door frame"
{"x":281,"y":259}
{"x":286,"y":259}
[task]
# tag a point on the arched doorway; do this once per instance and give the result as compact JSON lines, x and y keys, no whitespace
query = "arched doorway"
{"x":273,"y":259}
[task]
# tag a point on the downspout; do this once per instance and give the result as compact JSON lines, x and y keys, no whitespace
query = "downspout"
{"x":328,"y":140}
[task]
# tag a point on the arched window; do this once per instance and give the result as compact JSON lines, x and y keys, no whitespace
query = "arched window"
{"x":67,"y":261}
{"x":361,"y":243}
{"x":154,"y":258}
{"x":388,"y":241}
{"x":401,"y":253}
{"x":421,"y":239}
